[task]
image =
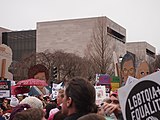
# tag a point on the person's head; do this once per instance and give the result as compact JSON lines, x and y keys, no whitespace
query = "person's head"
{"x":5,"y":104}
{"x":59,"y":116}
{"x":109,"y":105}
{"x":46,"y":98}
{"x":60,"y":96}
{"x":14,"y":102}
{"x":114,"y":98}
{"x":38,"y":71}
{"x":142,"y":70}
{"x":19,"y":108}
{"x":92,"y":116}
{"x":33,"y":102}
{"x":127,"y":66}
{"x":20,"y":97}
{"x":48,"y":108}
{"x":30,"y":114}
{"x":79,"y":97}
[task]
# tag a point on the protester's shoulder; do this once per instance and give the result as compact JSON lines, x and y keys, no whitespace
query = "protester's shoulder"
{"x":2,"y":118}
{"x":120,"y":116}
{"x":74,"y":116}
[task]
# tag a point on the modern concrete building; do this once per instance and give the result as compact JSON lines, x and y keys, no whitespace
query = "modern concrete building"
{"x":142,"y":50}
{"x":74,"y":35}
{"x":1,"y":31}
{"x":22,"y":43}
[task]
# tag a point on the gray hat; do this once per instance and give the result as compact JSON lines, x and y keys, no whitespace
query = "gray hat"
{"x":14,"y":102}
{"x":33,"y":102}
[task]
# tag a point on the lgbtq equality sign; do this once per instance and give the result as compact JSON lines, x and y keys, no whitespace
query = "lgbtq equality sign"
{"x":140,"y":100}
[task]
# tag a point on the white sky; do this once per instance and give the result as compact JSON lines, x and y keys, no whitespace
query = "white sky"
{"x":140,"y":18}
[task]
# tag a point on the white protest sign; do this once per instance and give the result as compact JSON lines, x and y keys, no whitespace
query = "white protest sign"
{"x":55,"y":89}
{"x":141,"y":99}
{"x":100,"y":94}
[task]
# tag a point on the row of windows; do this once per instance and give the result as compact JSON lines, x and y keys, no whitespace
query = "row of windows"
{"x":22,"y":43}
{"x":116,"y":35}
{"x":25,"y":45}
{"x":20,"y":54}
{"x":150,"y":53}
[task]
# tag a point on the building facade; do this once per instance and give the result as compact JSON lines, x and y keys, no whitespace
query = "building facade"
{"x":142,"y":50}
{"x":22,"y":43}
{"x":1,"y":31}
{"x":74,"y":35}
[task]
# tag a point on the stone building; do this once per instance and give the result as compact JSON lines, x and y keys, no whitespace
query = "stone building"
{"x":142,"y":50}
{"x":22,"y":43}
{"x":74,"y":35}
{"x":1,"y":31}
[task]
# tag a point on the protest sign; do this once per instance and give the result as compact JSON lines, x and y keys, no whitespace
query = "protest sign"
{"x":128,"y":66}
{"x":100,"y":94}
{"x":140,"y":100}
{"x":142,"y":69}
{"x":5,"y":62}
{"x":115,"y":83}
{"x":55,"y":89}
{"x":105,"y":80}
{"x":5,"y":89}
{"x":130,"y":80}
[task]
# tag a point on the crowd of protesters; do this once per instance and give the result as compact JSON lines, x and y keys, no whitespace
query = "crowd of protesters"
{"x":75,"y":102}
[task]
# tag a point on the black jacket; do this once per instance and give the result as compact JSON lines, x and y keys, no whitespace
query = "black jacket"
{"x":73,"y":116}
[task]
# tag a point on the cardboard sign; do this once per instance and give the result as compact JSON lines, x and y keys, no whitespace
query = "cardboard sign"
{"x":140,"y":100}
{"x":5,"y":89}
{"x":127,"y":66}
{"x":142,"y":70}
{"x":5,"y":62}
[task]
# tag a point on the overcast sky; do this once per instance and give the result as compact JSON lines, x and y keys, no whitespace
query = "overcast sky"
{"x":140,"y":18}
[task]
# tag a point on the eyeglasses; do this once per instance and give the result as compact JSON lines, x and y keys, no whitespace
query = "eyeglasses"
{"x":130,"y":71}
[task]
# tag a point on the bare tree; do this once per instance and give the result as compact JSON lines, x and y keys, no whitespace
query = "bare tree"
{"x":20,"y":68}
{"x":100,"y":49}
{"x":68,"y":64}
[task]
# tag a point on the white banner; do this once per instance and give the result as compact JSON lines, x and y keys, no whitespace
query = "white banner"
{"x":4,"y":93}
